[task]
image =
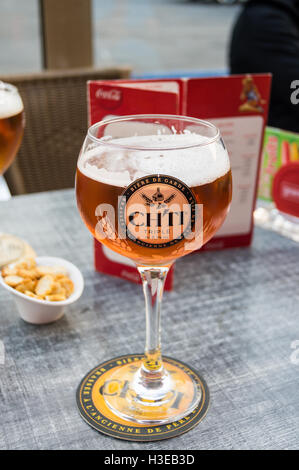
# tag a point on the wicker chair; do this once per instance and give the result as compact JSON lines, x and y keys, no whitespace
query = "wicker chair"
{"x":56,"y":122}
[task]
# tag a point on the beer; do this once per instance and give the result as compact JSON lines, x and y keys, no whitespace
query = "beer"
{"x":153,"y":188}
{"x":160,"y":180}
{"x":11,"y":124}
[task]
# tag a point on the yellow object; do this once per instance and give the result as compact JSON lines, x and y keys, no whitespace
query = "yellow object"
{"x":294,"y":154}
{"x":39,"y":282}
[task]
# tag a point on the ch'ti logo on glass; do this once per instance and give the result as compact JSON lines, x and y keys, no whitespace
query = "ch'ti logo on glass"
{"x":157,"y":211}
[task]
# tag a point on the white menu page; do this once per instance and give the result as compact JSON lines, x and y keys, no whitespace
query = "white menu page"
{"x":242,"y":137}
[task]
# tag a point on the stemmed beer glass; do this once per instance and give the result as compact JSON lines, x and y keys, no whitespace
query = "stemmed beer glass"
{"x":153,"y":188}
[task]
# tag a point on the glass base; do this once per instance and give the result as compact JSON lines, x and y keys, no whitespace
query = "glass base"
{"x":160,"y":397}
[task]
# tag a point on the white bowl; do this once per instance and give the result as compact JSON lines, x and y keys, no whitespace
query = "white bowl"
{"x":43,"y":311}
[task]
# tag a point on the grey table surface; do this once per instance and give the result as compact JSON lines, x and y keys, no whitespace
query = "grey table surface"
{"x":233,"y":315}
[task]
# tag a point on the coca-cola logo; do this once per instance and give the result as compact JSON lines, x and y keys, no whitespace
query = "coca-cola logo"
{"x":110,"y":97}
{"x":286,"y":189}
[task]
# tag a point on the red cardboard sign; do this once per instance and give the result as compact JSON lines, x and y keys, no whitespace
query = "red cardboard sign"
{"x":108,"y":262}
{"x":238,"y":105}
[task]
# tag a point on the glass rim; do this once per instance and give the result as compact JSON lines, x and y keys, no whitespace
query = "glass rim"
{"x":175,"y":117}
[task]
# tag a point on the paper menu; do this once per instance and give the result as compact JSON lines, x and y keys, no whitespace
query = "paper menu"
{"x":238,"y":105}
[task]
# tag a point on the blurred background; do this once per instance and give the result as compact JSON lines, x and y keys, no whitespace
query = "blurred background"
{"x":149,"y":35}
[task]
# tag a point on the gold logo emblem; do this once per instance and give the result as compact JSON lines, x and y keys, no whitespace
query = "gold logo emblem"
{"x":157,"y":211}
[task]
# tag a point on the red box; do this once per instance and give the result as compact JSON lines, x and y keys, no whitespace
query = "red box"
{"x":108,"y":262}
{"x":238,"y":105}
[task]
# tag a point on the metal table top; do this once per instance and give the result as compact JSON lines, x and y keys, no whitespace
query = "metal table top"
{"x":233,"y":315}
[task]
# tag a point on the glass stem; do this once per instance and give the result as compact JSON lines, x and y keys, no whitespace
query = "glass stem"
{"x":153,"y":280}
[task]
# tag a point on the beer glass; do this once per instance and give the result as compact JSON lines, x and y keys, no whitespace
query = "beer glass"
{"x":153,"y":188}
{"x":11,"y":124}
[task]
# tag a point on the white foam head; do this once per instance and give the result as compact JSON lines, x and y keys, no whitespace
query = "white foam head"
{"x":195,"y":165}
{"x":10,"y":102}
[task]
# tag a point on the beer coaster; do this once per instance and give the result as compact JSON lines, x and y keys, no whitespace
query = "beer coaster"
{"x":13,"y":249}
{"x":97,"y":414}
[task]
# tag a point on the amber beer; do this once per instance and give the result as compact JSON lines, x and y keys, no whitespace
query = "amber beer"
{"x":11,"y":124}
{"x":213,"y":197}
{"x":153,"y":188}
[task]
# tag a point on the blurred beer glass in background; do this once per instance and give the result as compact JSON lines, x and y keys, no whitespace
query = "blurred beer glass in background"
{"x":11,"y":124}
{"x":11,"y":132}
{"x":153,"y":188}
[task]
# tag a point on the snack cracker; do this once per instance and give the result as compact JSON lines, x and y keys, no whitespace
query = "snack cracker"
{"x":39,"y":282}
